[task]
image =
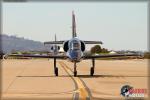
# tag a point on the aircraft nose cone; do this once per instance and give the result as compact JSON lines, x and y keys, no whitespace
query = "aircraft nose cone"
{"x":75,"y":55}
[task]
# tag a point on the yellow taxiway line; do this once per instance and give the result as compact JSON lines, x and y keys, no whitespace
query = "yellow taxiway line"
{"x":81,"y":89}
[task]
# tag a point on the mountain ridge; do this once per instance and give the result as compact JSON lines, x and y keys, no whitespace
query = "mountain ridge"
{"x":14,"y":43}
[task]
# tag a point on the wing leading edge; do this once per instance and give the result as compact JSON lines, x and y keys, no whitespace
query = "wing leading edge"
{"x":109,"y":56}
{"x":40,"y":56}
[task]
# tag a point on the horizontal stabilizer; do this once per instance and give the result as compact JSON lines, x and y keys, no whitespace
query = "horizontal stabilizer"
{"x":93,"y":42}
{"x":54,"y":42}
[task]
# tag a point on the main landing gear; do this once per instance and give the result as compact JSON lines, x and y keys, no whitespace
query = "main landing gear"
{"x":91,"y":70}
{"x":93,"y":67}
{"x":75,"y":68}
{"x":55,"y":68}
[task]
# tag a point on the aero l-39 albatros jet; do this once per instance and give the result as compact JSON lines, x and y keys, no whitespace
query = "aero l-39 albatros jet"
{"x":74,"y":49}
{"x":55,"y":48}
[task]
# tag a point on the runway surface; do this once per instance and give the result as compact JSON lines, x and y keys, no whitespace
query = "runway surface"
{"x":34,"y":79}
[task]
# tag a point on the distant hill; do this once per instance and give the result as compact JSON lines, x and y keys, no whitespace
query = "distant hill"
{"x":13,"y":43}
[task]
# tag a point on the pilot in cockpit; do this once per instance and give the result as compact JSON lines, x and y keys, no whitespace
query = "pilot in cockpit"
{"x":75,"y":45}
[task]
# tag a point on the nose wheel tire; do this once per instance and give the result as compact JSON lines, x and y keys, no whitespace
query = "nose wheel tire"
{"x":92,"y":71}
{"x":56,"y":71}
{"x":75,"y":73}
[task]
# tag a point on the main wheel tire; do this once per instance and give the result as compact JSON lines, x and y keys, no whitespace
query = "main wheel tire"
{"x":75,"y":73}
{"x":92,"y":71}
{"x":56,"y":71}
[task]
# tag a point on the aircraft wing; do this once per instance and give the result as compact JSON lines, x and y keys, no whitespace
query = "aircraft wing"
{"x":109,"y":56}
{"x":39,"y":56}
{"x":54,"y":42}
{"x":93,"y":42}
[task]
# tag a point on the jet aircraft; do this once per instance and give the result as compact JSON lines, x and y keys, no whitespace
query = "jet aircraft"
{"x":55,"y":48}
{"x":74,"y":51}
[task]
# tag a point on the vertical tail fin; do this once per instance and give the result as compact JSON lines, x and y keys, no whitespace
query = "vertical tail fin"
{"x":55,"y":38}
{"x":73,"y":25}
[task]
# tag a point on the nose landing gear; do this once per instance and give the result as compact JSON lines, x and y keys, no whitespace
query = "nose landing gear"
{"x":75,"y":69}
{"x":56,"y":71}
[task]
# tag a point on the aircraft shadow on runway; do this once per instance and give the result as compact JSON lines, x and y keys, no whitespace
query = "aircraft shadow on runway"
{"x":83,"y":76}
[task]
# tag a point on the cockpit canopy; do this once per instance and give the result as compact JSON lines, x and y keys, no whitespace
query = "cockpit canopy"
{"x":75,"y":45}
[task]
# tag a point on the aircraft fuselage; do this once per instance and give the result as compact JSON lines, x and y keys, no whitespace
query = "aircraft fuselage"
{"x":74,"y":52}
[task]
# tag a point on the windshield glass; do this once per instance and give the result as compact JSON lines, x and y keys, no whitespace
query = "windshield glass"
{"x":75,"y":45}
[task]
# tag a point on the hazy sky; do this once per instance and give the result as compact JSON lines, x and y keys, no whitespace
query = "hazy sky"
{"x":119,"y":25}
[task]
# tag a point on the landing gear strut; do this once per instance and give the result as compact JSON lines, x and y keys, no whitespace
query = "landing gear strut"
{"x":75,"y":69}
{"x":55,"y":68}
{"x":93,"y":67}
